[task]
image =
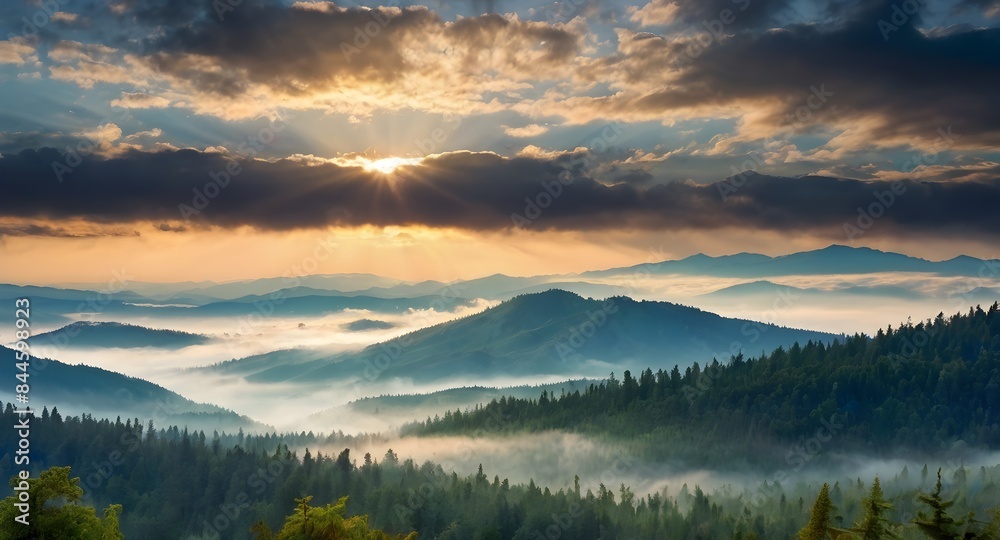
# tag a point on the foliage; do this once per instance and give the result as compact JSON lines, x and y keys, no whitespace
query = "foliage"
{"x":821,"y":517}
{"x":874,"y":525}
{"x":935,"y":384}
{"x":328,"y":523}
{"x":55,"y":513}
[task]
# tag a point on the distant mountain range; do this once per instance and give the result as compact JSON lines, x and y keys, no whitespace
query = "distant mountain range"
{"x":87,"y":334}
{"x":257,"y":306}
{"x":103,"y":393}
{"x":368,"y":289}
{"x":835,"y":259}
{"x":772,"y":290}
{"x":550,"y":333}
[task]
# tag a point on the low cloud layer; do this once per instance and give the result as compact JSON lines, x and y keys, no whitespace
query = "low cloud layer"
{"x":473,"y":191}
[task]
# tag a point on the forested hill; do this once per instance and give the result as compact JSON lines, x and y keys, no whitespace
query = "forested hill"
{"x":919,"y":387}
{"x":551,"y":333}
{"x":175,"y":484}
{"x":114,"y":334}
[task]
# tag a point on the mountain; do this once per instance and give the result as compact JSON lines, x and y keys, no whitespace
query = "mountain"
{"x":983,"y":295}
{"x":551,"y":333}
{"x":257,"y":305}
{"x":243,"y":367}
{"x":361,"y":325}
{"x":336,"y":282}
{"x":834,"y":259}
{"x":770,"y":290}
{"x":761,"y":287}
{"x":118,"y":335}
{"x":909,"y":391}
{"x":383,"y":413}
{"x":84,"y":389}
{"x":306,"y":306}
{"x":50,"y":305}
{"x":8,"y":291}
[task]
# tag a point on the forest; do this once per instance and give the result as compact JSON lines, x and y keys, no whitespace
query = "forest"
{"x":916,"y":390}
{"x":927,"y":390}
{"x":175,"y":484}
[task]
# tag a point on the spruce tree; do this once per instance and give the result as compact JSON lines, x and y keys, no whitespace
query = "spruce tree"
{"x":819,"y":520}
{"x":939,"y":525}
{"x":873,"y":524}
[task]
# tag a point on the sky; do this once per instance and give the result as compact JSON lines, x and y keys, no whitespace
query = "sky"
{"x":226,"y":139}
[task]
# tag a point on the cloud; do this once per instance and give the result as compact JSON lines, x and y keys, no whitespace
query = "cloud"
{"x":140,"y":100}
{"x":473,"y":191}
{"x":655,"y":13}
{"x":52,"y":231}
{"x":64,"y":17}
{"x":320,"y":56}
{"x":975,"y":170}
{"x":752,"y":61}
{"x":685,"y":16}
{"x":86,"y":64}
{"x":151,"y":133}
{"x":885,"y":92}
{"x":530,"y":130}
{"x":17,"y":51}
{"x":103,"y":136}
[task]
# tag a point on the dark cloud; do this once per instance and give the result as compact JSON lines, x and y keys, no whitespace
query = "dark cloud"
{"x":906,"y":86}
{"x":52,"y":232}
{"x":291,"y":49}
{"x":298,"y":51}
{"x":744,"y":13}
{"x":477,"y":191}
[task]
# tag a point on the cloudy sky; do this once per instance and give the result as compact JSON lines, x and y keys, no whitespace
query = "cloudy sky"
{"x":225,"y":139}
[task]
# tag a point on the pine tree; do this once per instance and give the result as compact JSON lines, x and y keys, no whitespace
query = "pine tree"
{"x":819,"y":520}
{"x":939,"y":525}
{"x":873,"y":524}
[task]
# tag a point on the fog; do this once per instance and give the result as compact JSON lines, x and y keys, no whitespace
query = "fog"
{"x":552,"y":459}
{"x":240,"y":337}
{"x":834,"y":303}
{"x":830,"y":304}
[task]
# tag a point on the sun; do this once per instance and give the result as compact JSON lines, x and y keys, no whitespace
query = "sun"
{"x":390,"y":164}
